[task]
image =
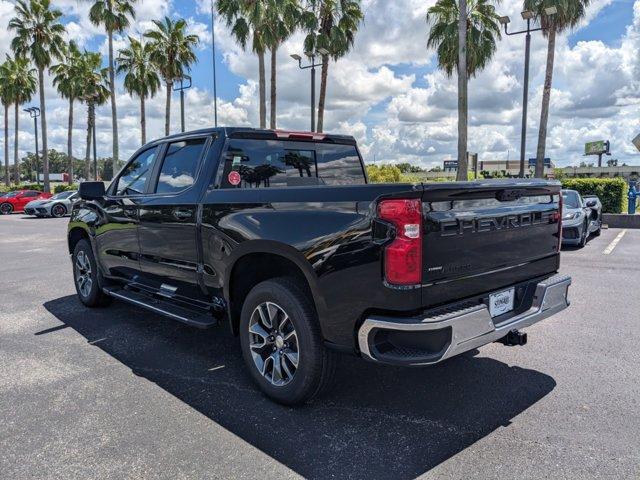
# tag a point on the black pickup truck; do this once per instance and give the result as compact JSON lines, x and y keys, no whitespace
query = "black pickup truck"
{"x":280,"y":236}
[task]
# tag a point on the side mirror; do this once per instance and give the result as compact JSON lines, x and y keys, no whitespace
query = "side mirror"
{"x":592,"y":203}
{"x":91,"y":190}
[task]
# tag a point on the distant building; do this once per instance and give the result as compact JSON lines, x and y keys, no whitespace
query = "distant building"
{"x":505,"y":167}
{"x":628,"y":172}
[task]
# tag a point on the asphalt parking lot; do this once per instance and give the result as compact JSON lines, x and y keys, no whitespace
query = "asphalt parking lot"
{"x":119,"y":393}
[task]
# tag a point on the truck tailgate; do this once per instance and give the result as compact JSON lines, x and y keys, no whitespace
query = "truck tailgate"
{"x":479,"y":237}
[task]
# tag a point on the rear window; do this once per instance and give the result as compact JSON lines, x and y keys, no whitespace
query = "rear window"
{"x":276,"y":164}
{"x":339,"y":165}
{"x":62,"y":195}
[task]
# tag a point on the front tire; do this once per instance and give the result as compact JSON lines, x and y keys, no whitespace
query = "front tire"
{"x":281,"y":342}
{"x":599,"y":230}
{"x":6,"y":208}
{"x":86,"y":277}
{"x":585,"y":235}
{"x":58,"y":210}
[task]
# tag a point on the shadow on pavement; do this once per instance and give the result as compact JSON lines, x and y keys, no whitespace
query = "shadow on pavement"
{"x":377,"y":422}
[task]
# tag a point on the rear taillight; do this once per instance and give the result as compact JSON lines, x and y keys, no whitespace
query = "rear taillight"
{"x":403,"y":256}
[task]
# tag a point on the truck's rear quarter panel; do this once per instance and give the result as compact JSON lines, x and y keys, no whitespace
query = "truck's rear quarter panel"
{"x":330,"y":230}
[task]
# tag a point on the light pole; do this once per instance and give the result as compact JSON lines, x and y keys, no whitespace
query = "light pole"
{"x":34,"y":112}
{"x":181,"y":89}
{"x":213,"y":54}
{"x":92,"y":122}
{"x":527,"y":15}
{"x":312,"y":66}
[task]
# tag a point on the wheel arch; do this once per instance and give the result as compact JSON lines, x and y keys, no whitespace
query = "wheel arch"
{"x":75,"y":235}
{"x":257,"y":261}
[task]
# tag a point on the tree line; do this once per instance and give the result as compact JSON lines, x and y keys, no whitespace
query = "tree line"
{"x":166,"y":53}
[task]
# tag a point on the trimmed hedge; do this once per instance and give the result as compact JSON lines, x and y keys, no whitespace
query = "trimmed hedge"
{"x":612,"y":192}
{"x":60,"y":187}
{"x":63,"y":187}
{"x":22,"y":186}
{"x":383,"y":173}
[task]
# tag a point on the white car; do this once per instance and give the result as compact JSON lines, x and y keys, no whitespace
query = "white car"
{"x":57,"y":206}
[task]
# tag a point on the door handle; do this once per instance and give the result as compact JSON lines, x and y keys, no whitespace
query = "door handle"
{"x":183,"y":214}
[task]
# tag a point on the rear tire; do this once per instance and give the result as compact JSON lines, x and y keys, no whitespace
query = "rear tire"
{"x":58,"y":210}
{"x":6,"y":208}
{"x":86,"y":277}
{"x":282,"y":344}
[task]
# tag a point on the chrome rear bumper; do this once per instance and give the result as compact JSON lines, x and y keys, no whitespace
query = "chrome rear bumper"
{"x":465,"y":329}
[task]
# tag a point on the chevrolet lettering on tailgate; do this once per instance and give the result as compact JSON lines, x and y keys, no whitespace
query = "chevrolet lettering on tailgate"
{"x":489,"y":224}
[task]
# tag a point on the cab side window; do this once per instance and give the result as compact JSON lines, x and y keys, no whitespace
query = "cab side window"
{"x":135,"y":176}
{"x":180,"y":165}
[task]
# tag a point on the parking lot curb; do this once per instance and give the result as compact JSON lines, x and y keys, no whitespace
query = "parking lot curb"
{"x":621,"y":220}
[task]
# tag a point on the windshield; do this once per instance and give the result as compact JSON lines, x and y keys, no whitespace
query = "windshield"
{"x":10,"y":194}
{"x":571,"y":200}
{"x":62,"y":195}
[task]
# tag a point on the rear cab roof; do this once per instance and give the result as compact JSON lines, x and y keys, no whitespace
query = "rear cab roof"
{"x":262,"y":134}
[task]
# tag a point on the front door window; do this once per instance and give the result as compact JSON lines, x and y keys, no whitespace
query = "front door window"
{"x":135,"y":176}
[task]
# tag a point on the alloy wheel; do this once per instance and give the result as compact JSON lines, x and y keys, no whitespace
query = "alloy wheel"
{"x":83,"y":274}
{"x":274,"y":344}
{"x":5,"y":208}
{"x":58,"y":211}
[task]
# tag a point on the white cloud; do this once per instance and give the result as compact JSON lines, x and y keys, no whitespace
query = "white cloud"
{"x":595,"y":96}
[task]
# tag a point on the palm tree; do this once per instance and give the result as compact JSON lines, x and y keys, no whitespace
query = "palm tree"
{"x":114,"y":16}
{"x":141,"y":77}
{"x":332,"y":29}
{"x":94,"y":92}
{"x":22,"y":87}
{"x":463,"y":95}
{"x":248,"y":18}
{"x":68,"y":77}
{"x":482,"y":30}
{"x":568,"y":15}
{"x":172,"y":54}
{"x":5,"y":99}
{"x":282,"y":18}
{"x":38,"y":37}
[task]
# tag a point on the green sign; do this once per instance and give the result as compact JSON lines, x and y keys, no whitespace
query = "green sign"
{"x":595,"y":148}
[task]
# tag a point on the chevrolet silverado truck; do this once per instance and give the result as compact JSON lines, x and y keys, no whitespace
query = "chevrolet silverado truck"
{"x":280,"y":236}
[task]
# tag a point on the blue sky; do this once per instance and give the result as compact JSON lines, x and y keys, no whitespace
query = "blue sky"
{"x":388,"y":92}
{"x":608,"y":26}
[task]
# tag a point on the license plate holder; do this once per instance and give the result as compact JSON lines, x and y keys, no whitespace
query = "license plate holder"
{"x":501,"y":302}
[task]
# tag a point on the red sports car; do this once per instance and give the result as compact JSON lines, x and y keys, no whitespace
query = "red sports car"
{"x":15,"y":201}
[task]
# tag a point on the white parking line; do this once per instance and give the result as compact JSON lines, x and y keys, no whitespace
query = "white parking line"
{"x":612,"y":245}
